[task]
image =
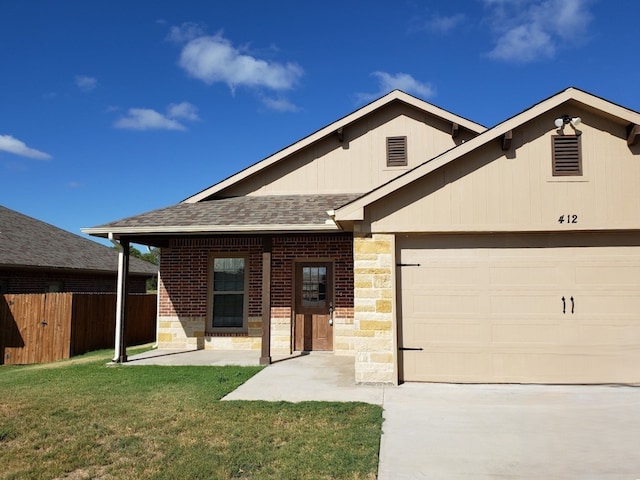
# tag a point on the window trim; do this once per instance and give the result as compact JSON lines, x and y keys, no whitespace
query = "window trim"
{"x":397,"y":159}
{"x":209,"y":328}
{"x":572,"y":173}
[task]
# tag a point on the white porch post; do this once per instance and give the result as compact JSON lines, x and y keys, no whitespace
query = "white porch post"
{"x":120,"y":354}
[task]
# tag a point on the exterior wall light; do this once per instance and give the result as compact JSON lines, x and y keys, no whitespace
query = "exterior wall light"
{"x":560,"y":122}
{"x":565,"y":119}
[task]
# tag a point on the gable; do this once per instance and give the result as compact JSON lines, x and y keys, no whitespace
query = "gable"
{"x":488,"y":189}
{"x":349,"y":155}
{"x":357,"y":161}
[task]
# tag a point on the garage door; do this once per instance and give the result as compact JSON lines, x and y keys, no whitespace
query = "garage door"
{"x":521,"y":309}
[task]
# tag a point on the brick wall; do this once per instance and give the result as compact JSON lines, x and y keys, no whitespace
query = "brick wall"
{"x":36,"y":281}
{"x":184,"y":285}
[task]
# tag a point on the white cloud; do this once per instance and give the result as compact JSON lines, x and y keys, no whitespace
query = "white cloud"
{"x":530,"y":30}
{"x":183,"y":110}
{"x":399,"y":81}
{"x":214,"y":59}
{"x":85,"y":83}
{"x":149,"y":119}
{"x":185,"y":32}
{"x":437,"y":23}
{"x":17,"y":147}
{"x":279,"y":104}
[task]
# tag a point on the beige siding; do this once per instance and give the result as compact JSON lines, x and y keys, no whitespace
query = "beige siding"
{"x":492,"y":190}
{"x":358,"y":164}
{"x":537,"y":308}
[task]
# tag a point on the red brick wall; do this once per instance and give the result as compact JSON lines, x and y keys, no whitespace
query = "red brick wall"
{"x":184,"y":270}
{"x":36,"y":281}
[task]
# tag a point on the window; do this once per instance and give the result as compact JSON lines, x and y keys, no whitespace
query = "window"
{"x":53,"y":287}
{"x":228,"y":310}
{"x":567,"y":156}
{"x":396,"y":151}
{"x":314,"y":286}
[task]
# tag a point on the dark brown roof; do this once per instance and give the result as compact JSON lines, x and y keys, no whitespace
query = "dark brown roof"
{"x":273,"y":211}
{"x":31,"y":243}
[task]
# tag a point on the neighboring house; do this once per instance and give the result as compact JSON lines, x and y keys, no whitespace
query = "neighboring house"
{"x":421,"y":243}
{"x":36,"y":257}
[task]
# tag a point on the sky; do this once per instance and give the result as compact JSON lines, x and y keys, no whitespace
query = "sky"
{"x":113,"y":108}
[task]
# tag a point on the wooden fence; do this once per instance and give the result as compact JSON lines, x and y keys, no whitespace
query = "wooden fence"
{"x":38,"y":328}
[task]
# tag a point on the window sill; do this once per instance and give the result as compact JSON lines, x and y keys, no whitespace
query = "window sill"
{"x":226,"y":334}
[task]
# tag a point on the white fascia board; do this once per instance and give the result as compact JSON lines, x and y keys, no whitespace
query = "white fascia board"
{"x":329,"y":130}
{"x":208,"y":229}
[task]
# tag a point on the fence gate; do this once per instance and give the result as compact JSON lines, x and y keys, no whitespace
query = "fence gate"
{"x":35,"y":328}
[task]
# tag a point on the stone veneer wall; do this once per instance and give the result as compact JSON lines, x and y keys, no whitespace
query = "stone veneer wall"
{"x":374,"y":334}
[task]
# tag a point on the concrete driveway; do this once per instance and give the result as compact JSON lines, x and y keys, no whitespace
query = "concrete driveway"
{"x":446,"y":432}
{"x":452,"y":431}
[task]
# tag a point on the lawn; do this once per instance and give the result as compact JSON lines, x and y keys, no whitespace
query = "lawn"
{"x":80,"y":419}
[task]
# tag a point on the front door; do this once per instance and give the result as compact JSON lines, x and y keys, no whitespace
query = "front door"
{"x":313,"y":306}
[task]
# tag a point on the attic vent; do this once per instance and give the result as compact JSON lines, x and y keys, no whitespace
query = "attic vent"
{"x":396,"y":151}
{"x":567,"y":158}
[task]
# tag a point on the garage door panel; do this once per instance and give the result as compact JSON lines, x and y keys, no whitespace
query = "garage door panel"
{"x":527,"y":334}
{"x":459,"y":303}
{"x":528,"y":275}
{"x":448,"y":333}
{"x":547,"y":313}
{"x":530,"y":304}
{"x":609,"y":275}
{"x":599,"y":304}
{"x":444,"y":365}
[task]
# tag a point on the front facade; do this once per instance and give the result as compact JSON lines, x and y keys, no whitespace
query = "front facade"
{"x":442,"y":251}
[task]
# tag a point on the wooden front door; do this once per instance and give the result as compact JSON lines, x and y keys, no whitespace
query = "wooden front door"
{"x":313,"y":306}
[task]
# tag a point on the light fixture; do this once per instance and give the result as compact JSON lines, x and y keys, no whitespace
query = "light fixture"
{"x":560,"y":122}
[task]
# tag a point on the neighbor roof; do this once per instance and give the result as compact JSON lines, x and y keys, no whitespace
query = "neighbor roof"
{"x":394,"y":96}
{"x":29,"y":243}
{"x":271,"y":213}
{"x":355,"y":210}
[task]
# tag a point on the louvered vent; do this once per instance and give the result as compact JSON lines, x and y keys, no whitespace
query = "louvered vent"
{"x":396,"y":151}
{"x":567,"y":159}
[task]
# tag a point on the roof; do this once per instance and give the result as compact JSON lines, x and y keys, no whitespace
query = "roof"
{"x":354,"y":211}
{"x":271,"y":213}
{"x":29,"y":243}
{"x":394,"y":96}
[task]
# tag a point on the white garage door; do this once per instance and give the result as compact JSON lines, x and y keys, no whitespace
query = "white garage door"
{"x":522,"y":309}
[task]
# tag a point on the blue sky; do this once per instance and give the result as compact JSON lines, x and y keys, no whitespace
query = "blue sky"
{"x":113,"y":108}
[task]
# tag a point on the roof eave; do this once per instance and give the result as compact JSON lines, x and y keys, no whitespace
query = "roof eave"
{"x":117,"y":232}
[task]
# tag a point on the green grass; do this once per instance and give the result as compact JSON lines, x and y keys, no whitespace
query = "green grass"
{"x":80,"y":419}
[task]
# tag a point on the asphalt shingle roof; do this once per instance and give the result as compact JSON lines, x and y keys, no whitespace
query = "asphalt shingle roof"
{"x":273,"y":210}
{"x":27,"y":242}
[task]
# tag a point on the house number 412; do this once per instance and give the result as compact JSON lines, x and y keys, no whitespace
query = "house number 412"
{"x":568,"y":218}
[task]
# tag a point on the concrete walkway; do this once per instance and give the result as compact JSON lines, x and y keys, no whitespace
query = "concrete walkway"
{"x":455,"y":432}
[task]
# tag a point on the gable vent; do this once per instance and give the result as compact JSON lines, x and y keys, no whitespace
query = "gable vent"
{"x":567,"y":159}
{"x":396,"y":151}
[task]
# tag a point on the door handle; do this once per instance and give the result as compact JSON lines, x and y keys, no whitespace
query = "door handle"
{"x":564,"y":305}
{"x":330,"y":313}
{"x":404,"y":349}
{"x":572,"y":305}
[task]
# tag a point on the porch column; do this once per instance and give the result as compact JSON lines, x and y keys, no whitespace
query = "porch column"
{"x":265,"y":356}
{"x":121,"y":302}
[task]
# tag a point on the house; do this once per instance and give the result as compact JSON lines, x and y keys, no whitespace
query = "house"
{"x":424,"y":245}
{"x":36,"y":257}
